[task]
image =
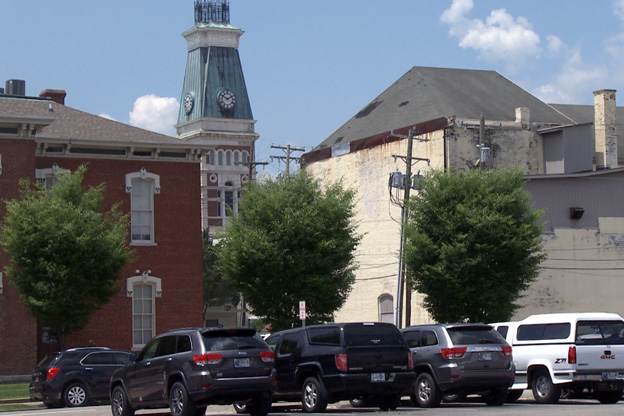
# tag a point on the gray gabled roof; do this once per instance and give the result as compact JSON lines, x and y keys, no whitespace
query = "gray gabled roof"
{"x":585,"y":113}
{"x":427,"y":93}
{"x":71,"y":124}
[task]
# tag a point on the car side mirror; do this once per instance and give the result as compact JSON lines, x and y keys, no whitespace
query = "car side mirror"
{"x":132,"y":357}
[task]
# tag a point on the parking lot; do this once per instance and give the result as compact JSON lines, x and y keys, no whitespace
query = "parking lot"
{"x":524,"y":407}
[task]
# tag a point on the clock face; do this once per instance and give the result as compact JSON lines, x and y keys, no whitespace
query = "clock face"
{"x":188,"y":102}
{"x":226,"y":99}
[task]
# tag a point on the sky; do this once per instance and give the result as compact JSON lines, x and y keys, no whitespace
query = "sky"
{"x":309,"y":65}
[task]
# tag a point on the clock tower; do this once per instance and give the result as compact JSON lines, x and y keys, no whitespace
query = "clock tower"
{"x":215,"y":110}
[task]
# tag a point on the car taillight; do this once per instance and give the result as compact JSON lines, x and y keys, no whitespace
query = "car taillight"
{"x":410,"y":361}
{"x":267,"y":356}
{"x":341,"y":362}
{"x":52,"y":371}
{"x":211,"y":358}
{"x":506,"y":350}
{"x":453,"y":353}
{"x":572,"y":355}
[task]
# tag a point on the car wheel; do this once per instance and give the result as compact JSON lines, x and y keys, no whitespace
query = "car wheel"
{"x":180,"y":403}
{"x":544,"y":391}
{"x":608,"y":397}
{"x":391,"y":402}
{"x":119,"y":403}
{"x":496,"y":397}
{"x":514,"y":395}
{"x":427,"y":392}
{"x":260,"y":406}
{"x":75,"y":395}
{"x":313,"y":396}
{"x":240,"y":408}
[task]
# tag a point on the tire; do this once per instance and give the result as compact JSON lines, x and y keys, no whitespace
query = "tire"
{"x":119,"y":403}
{"x":313,"y":396}
{"x":544,"y":391}
{"x":359,"y":402}
{"x":514,"y":395}
{"x":391,"y":402}
{"x":75,"y":395}
{"x":454,"y":397}
{"x":496,"y":397}
{"x":180,"y":403}
{"x":260,"y":406}
{"x":608,"y":397}
{"x":240,"y":408}
{"x":427,"y":392}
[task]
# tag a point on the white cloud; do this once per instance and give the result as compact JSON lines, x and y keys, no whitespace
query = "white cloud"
{"x":555,"y":44}
{"x":618,"y":9}
{"x":499,"y":38}
{"x":108,"y":116}
{"x":154,"y":113}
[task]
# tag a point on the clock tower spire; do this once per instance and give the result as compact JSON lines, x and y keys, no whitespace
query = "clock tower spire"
{"x":215,"y":110}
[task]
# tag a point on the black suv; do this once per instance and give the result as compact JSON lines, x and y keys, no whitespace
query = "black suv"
{"x":323,"y":364}
{"x":75,"y":377}
{"x":188,"y":369}
{"x":457,"y":360}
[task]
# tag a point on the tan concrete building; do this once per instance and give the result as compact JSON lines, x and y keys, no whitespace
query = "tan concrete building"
{"x":466,"y":119}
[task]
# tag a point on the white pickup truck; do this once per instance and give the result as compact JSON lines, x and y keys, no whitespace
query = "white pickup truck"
{"x":574,"y":354}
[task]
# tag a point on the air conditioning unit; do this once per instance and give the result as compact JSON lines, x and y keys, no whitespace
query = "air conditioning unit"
{"x":16,"y":87}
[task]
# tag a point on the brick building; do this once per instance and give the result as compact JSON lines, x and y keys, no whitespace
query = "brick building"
{"x":150,"y":175}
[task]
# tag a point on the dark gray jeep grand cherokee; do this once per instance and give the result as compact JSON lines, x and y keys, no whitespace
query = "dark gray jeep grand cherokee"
{"x":188,"y":369}
{"x":323,"y":364}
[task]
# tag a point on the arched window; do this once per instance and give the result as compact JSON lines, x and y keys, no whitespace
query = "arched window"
{"x":386,"y":308}
{"x":236,"y":157}
{"x":228,"y":157}
{"x":211,"y":157}
{"x":143,"y":290}
{"x":220,"y":157}
{"x":229,"y":198}
{"x":245,"y":157}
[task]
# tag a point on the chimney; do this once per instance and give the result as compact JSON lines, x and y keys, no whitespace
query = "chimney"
{"x":15,"y":87}
{"x":605,"y":130}
{"x":523,"y":115}
{"x":58,"y":96}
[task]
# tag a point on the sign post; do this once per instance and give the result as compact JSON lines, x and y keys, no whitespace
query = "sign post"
{"x":302,"y":312}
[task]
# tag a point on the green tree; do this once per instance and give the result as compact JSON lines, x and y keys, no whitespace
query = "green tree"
{"x":218,"y":291}
{"x":473,"y":244}
{"x":66,"y":252}
{"x":292,"y":241}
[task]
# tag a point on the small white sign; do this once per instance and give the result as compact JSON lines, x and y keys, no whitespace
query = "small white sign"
{"x":302,"y":312}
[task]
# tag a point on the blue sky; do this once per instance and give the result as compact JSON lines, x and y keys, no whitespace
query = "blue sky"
{"x":309,"y":65}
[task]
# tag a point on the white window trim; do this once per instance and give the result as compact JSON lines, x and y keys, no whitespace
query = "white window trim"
{"x":144,"y":174}
{"x":54,"y":171}
{"x":145,"y":279}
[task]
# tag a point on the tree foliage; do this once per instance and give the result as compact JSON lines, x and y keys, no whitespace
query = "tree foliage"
{"x":218,"y":291}
{"x":473,"y":244}
{"x":65,"y":251}
{"x":292,"y":241}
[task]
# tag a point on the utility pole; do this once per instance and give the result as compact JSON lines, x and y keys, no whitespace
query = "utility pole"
{"x":402,"y":278}
{"x":288,"y":149}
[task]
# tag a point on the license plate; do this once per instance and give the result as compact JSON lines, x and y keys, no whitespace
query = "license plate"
{"x":376,"y":377}
{"x":241,"y":362}
{"x":485,"y":356}
{"x":610,"y":376}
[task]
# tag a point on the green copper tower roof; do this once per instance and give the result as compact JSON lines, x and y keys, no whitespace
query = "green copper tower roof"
{"x":214,"y":85}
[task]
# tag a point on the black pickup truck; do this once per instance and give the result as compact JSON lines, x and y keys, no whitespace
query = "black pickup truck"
{"x":323,"y":364}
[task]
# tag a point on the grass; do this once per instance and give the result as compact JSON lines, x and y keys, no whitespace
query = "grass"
{"x":14,"y":391}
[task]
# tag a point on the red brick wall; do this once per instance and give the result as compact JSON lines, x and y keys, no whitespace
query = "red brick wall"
{"x":176,"y":258}
{"x":18,"y":329}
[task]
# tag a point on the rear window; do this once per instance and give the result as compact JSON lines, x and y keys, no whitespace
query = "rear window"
{"x":364,"y":335}
{"x":48,"y":359}
{"x":600,"y":332}
{"x":219,"y":341}
{"x":474,"y":335}
{"x":324,"y":335}
{"x":538,"y":332}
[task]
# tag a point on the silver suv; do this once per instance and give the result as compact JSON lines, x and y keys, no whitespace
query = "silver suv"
{"x":455,"y":360}
{"x":188,"y":369}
